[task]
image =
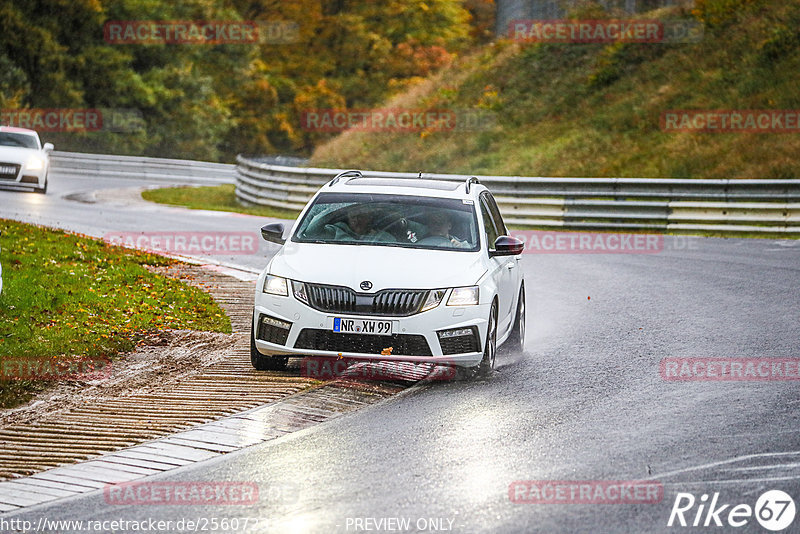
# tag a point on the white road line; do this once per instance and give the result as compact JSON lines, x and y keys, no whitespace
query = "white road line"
{"x":723,"y":462}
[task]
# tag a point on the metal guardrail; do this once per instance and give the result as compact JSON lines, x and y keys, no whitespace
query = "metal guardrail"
{"x":176,"y":171}
{"x":668,"y":205}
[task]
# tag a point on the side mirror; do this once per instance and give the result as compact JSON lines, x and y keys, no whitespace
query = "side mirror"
{"x":48,"y":147}
{"x":273,"y":233}
{"x":505,"y":245}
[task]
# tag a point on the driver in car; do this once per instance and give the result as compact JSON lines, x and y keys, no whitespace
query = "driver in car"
{"x":439,"y":224}
{"x":358,"y":226}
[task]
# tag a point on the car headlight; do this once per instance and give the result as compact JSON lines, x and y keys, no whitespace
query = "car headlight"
{"x":35,"y":163}
{"x":275,"y":285}
{"x":299,"y":291}
{"x":434,"y":299}
{"x":464,"y":296}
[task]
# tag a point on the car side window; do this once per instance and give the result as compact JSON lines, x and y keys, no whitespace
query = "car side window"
{"x":488,"y":224}
{"x":494,"y":211}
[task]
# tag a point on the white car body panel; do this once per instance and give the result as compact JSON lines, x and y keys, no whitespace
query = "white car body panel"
{"x":389,"y":267}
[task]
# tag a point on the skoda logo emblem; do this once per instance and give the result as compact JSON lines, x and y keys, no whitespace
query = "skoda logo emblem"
{"x":366,"y":285}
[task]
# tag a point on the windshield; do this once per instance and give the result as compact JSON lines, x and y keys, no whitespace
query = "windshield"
{"x":390,"y":220}
{"x":16,"y":139}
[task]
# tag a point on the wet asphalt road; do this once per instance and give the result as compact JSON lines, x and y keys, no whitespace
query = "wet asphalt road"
{"x":82,"y":205}
{"x":586,"y":401}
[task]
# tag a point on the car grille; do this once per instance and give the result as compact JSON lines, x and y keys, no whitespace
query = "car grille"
{"x":402,"y":344}
{"x":398,"y":302}
{"x":9,"y":171}
{"x":389,"y":302}
{"x":331,"y":298}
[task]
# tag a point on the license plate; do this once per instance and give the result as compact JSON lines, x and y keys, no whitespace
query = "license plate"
{"x":362,"y":326}
{"x":8,"y":170}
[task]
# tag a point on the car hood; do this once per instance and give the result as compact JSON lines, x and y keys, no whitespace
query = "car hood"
{"x":385,"y":267}
{"x":13,"y":154}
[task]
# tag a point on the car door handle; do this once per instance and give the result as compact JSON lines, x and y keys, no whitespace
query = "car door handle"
{"x":511,"y":265}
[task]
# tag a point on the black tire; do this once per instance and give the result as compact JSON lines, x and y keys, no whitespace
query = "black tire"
{"x":486,"y":366}
{"x":516,"y":341}
{"x":41,"y":190}
{"x":262,"y":362}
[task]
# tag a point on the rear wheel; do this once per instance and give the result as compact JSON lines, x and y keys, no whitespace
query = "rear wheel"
{"x":262,"y":362}
{"x":516,"y":341}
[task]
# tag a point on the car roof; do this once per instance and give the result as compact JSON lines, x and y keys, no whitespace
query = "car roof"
{"x":14,"y":129}
{"x":404,"y":186}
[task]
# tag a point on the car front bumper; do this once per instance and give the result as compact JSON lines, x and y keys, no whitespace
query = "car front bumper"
{"x":310,"y":333}
{"x":23,"y":178}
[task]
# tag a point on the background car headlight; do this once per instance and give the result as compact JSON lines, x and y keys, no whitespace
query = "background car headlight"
{"x":434,"y":299}
{"x":299,"y":291}
{"x":463,"y":296}
{"x":275,"y":285}
{"x":36,"y":163}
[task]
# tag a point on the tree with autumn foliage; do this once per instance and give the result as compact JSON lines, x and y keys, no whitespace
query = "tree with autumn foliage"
{"x":213,"y":101}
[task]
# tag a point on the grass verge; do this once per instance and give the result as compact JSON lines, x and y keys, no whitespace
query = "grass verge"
{"x":68,"y":297}
{"x":595,"y":109}
{"x":216,"y":198}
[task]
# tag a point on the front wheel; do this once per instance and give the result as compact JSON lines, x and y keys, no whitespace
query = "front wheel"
{"x":41,"y":190}
{"x":262,"y":362}
{"x":486,"y":366}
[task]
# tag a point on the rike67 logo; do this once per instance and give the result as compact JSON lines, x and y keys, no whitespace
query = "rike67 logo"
{"x":774,"y":510}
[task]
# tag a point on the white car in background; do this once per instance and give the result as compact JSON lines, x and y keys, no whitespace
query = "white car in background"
{"x":24,"y":162}
{"x":392,"y":269}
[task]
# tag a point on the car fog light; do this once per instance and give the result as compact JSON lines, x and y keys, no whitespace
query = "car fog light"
{"x":455,"y":333}
{"x":273,"y":330}
{"x":275,"y":322}
{"x":459,"y":340}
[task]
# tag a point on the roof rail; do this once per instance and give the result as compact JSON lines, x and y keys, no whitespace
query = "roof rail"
{"x":345,"y":174}
{"x":471,"y":180}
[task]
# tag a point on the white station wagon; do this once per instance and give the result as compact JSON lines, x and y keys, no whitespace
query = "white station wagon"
{"x":392,"y":269}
